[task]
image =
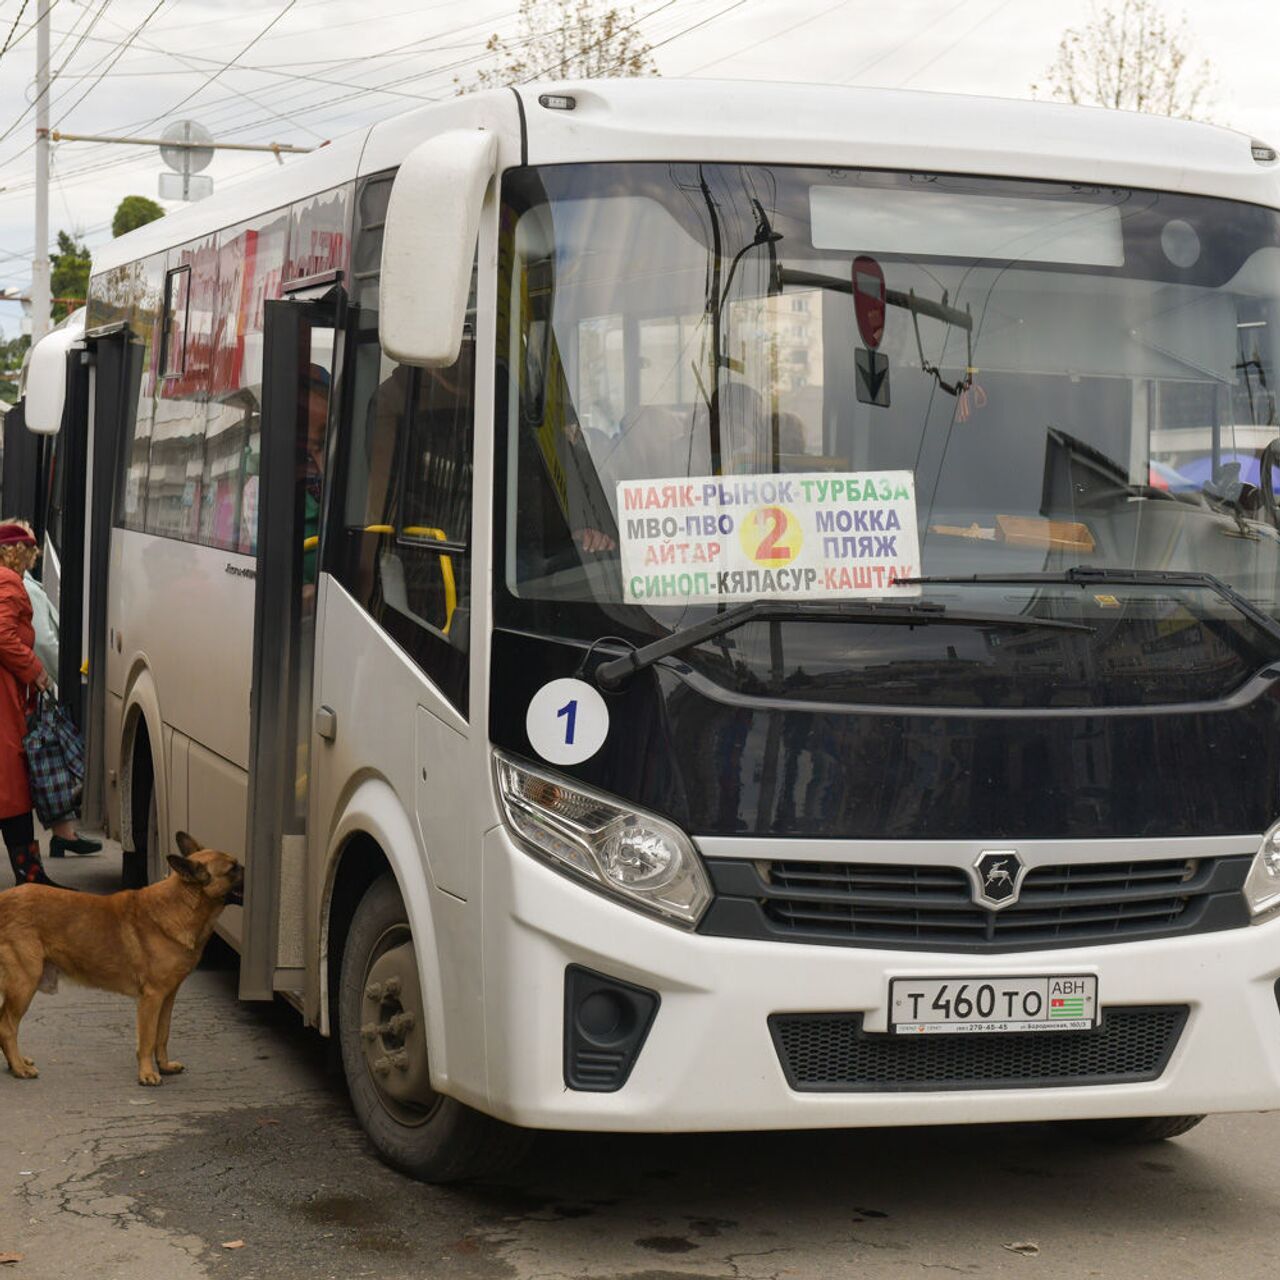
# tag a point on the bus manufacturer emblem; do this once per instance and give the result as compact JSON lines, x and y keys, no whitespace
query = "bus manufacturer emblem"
{"x":997,"y":878}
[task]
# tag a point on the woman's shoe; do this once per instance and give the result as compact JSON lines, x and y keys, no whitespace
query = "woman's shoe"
{"x":27,"y":867}
{"x":59,"y":848}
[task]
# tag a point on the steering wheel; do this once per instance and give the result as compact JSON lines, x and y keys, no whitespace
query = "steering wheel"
{"x":1266,"y":481}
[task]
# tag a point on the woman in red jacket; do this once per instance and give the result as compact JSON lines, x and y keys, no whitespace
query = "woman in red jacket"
{"x":21,"y":677}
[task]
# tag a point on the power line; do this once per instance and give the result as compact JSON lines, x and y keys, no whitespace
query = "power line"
{"x":8,"y":40}
{"x":35,"y":102}
{"x":964,"y":35}
{"x":737,"y":4}
{"x":27,"y":30}
{"x":17,"y":155}
{"x":577,"y":53}
{"x":897,"y":48}
{"x":195,"y":93}
{"x":774,"y":35}
{"x":123,"y":49}
{"x":695,"y":26}
{"x":191,"y":66}
{"x":389,"y":87}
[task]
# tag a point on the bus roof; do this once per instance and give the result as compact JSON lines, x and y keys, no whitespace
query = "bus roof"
{"x":894,"y":129}
{"x":764,"y":123}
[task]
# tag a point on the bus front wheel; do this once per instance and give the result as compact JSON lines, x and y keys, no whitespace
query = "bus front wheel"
{"x":384,"y":1056}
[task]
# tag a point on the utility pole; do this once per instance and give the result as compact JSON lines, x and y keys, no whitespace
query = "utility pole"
{"x":40,"y":264}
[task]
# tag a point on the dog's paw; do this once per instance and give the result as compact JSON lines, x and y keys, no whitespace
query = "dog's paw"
{"x":149,"y":1078}
{"x":170,"y":1068}
{"x":26,"y":1070}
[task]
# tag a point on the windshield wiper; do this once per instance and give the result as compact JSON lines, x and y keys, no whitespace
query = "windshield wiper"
{"x":908,"y":613}
{"x":1087,"y":575}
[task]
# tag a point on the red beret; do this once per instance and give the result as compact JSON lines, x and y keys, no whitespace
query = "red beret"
{"x":15,"y":535}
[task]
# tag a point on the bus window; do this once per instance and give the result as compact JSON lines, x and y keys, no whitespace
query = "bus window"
{"x":407,"y":502}
{"x":670,"y":350}
{"x":138,"y":298}
{"x":602,"y":373}
{"x":250,"y":258}
{"x":173,"y":358}
{"x":176,"y":468}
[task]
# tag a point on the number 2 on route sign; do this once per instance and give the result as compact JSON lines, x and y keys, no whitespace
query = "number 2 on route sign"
{"x":771,"y":536}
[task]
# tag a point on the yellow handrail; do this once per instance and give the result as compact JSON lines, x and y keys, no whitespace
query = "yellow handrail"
{"x":446,"y":570}
{"x":446,"y":562}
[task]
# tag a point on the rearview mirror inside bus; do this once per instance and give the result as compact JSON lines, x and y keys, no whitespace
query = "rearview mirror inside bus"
{"x":428,"y":244}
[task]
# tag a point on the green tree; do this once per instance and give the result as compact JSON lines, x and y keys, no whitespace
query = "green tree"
{"x":134,"y":212}
{"x":11,"y":354}
{"x":1131,"y":57}
{"x":567,"y":40}
{"x":68,"y":275}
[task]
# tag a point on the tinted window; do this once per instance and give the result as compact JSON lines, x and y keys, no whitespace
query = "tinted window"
{"x":176,"y":467}
{"x":405,"y":545}
{"x":190,"y":468}
{"x":249,"y":274}
{"x":177,"y":295}
{"x":135,"y":294}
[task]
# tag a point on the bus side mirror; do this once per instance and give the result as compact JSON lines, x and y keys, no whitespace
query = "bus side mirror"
{"x":428,"y":245}
{"x":47,"y":380}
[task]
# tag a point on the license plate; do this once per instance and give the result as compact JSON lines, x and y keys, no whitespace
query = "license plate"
{"x":929,"y":1006}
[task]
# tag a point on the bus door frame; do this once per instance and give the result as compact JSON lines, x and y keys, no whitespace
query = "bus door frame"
{"x":20,"y":478}
{"x":316,"y":302}
{"x":67,"y":492}
{"x":115,"y":359}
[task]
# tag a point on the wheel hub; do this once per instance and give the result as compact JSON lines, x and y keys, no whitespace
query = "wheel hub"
{"x":391,"y":1032}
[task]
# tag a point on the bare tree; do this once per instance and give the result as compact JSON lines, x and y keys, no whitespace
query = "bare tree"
{"x":566,"y":40}
{"x":1130,"y":56}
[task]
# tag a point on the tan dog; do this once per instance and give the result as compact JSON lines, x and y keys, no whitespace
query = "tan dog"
{"x":140,"y":943}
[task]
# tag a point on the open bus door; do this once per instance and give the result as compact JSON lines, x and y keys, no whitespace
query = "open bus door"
{"x":300,"y":353}
{"x":62,"y":478}
{"x":20,"y":477}
{"x":115,"y":365}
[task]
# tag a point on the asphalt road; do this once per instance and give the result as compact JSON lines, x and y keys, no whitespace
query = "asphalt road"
{"x":256,"y":1144}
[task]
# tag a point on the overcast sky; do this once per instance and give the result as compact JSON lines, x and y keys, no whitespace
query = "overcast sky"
{"x":317,"y":69}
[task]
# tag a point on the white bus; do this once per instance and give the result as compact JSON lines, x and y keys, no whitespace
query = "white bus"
{"x":709,"y":606}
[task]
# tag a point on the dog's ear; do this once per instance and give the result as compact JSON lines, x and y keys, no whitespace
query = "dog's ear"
{"x":187,"y":845}
{"x":188,"y":870}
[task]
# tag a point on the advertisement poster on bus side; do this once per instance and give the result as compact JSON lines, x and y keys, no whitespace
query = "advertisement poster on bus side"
{"x":808,"y":536}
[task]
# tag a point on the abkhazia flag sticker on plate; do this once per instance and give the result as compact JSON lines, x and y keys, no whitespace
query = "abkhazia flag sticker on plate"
{"x":807,"y":536}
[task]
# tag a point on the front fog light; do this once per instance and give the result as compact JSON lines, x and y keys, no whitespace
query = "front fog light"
{"x":1262,"y":885}
{"x":637,"y":857}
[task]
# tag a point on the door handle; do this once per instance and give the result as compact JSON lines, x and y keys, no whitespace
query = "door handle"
{"x":327,"y":723}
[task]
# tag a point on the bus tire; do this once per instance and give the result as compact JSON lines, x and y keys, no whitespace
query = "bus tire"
{"x":136,"y":869}
{"x":421,"y":1133}
{"x":1135,"y":1130}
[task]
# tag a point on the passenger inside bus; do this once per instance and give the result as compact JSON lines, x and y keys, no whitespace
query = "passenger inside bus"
{"x":317,"y":411}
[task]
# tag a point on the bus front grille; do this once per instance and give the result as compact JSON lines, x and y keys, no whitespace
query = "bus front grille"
{"x":830,"y":1052}
{"x":931,"y":908}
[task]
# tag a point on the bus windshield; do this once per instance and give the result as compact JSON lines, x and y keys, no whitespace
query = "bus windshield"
{"x":710,"y":369}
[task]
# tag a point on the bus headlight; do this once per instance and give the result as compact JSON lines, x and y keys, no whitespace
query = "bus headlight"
{"x":1262,"y":885}
{"x":637,"y":857}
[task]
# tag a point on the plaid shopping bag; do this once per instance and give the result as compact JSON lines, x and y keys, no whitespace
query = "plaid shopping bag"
{"x":55,"y":760}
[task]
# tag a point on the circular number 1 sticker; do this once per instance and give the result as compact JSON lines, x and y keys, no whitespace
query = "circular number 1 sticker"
{"x":567,"y":721}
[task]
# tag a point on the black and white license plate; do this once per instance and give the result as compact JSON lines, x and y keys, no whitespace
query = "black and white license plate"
{"x":929,"y":1006}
